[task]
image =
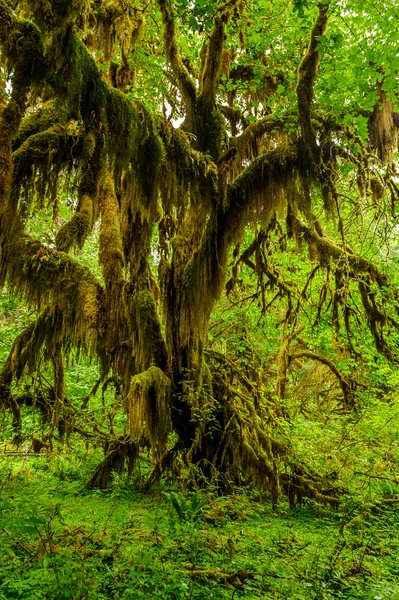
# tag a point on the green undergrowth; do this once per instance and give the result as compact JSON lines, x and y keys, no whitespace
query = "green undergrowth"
{"x":59,"y":541}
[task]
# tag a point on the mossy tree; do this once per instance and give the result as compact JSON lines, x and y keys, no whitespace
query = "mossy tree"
{"x":258,"y":147}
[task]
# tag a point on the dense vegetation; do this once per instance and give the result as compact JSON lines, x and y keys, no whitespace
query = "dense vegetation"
{"x":200,"y":307}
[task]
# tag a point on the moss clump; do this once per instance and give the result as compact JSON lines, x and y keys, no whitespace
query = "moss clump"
{"x":40,"y":146}
{"x":124,"y":130}
{"x":150,"y":155}
{"x":22,"y":48}
{"x":56,"y":14}
{"x":45,"y":117}
{"x":187,"y":173}
{"x":149,"y":408}
{"x":116,"y":21}
{"x":73,"y":234}
{"x":111,"y":250}
{"x":44,"y":277}
{"x":148,"y":343}
{"x":210,"y":129}
{"x":76,"y":81}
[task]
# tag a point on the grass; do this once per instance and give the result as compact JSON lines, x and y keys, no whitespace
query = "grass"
{"x":61,"y":542}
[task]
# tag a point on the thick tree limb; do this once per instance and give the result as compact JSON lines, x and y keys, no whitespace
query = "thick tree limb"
{"x":43,"y":275}
{"x":306,"y":77}
{"x":22,"y":49}
{"x":75,"y":231}
{"x":212,"y":64}
{"x":254,"y":194}
{"x":185,"y":83}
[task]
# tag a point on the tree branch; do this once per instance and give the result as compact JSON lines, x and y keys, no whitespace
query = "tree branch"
{"x":212,"y":64}
{"x":185,"y":83}
{"x":255,"y":193}
{"x":346,"y":386}
{"x":306,"y":77}
{"x":329,"y":249}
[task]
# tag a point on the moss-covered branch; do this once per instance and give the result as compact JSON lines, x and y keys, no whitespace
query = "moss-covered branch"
{"x":346,"y":385}
{"x":211,"y":67}
{"x":148,"y":346}
{"x":306,"y":78}
{"x":22,"y":52}
{"x":255,"y":137}
{"x":259,"y":190}
{"x":75,"y":231}
{"x":329,"y":249}
{"x":189,"y":172}
{"x":253,"y":197}
{"x":186,"y":84}
{"x":111,"y":249}
{"x":44,"y":276}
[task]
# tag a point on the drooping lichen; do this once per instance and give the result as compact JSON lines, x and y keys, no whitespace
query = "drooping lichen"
{"x":148,"y":408}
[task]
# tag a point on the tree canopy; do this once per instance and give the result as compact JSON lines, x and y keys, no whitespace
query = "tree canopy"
{"x":240,"y":150}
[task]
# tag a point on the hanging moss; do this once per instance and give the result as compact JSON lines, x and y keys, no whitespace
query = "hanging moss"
{"x":125,"y":126}
{"x":117,"y":453}
{"x":22,"y":47}
{"x":77,"y":82}
{"x":116,"y":21}
{"x":188,"y":173}
{"x":383,"y":134}
{"x":40,"y":146}
{"x":56,"y":14}
{"x":377,"y":189}
{"x":260,"y":189}
{"x":38,"y":163}
{"x":45,"y":277}
{"x":150,"y":155}
{"x":149,"y":408}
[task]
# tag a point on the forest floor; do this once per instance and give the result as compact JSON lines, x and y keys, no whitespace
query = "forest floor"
{"x":59,"y":541}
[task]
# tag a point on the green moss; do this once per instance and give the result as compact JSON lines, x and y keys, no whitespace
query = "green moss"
{"x":74,"y":232}
{"x":22,"y":48}
{"x":111,"y":250}
{"x":149,"y":409}
{"x":41,"y":156}
{"x":187,"y":173}
{"x":44,"y":277}
{"x":124,"y":129}
{"x":77,"y":82}
{"x":42,"y":119}
{"x":210,"y":130}
{"x":56,"y":14}
{"x":40,"y":146}
{"x":261,"y":186}
{"x":150,"y":155}
{"x":148,"y":344}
